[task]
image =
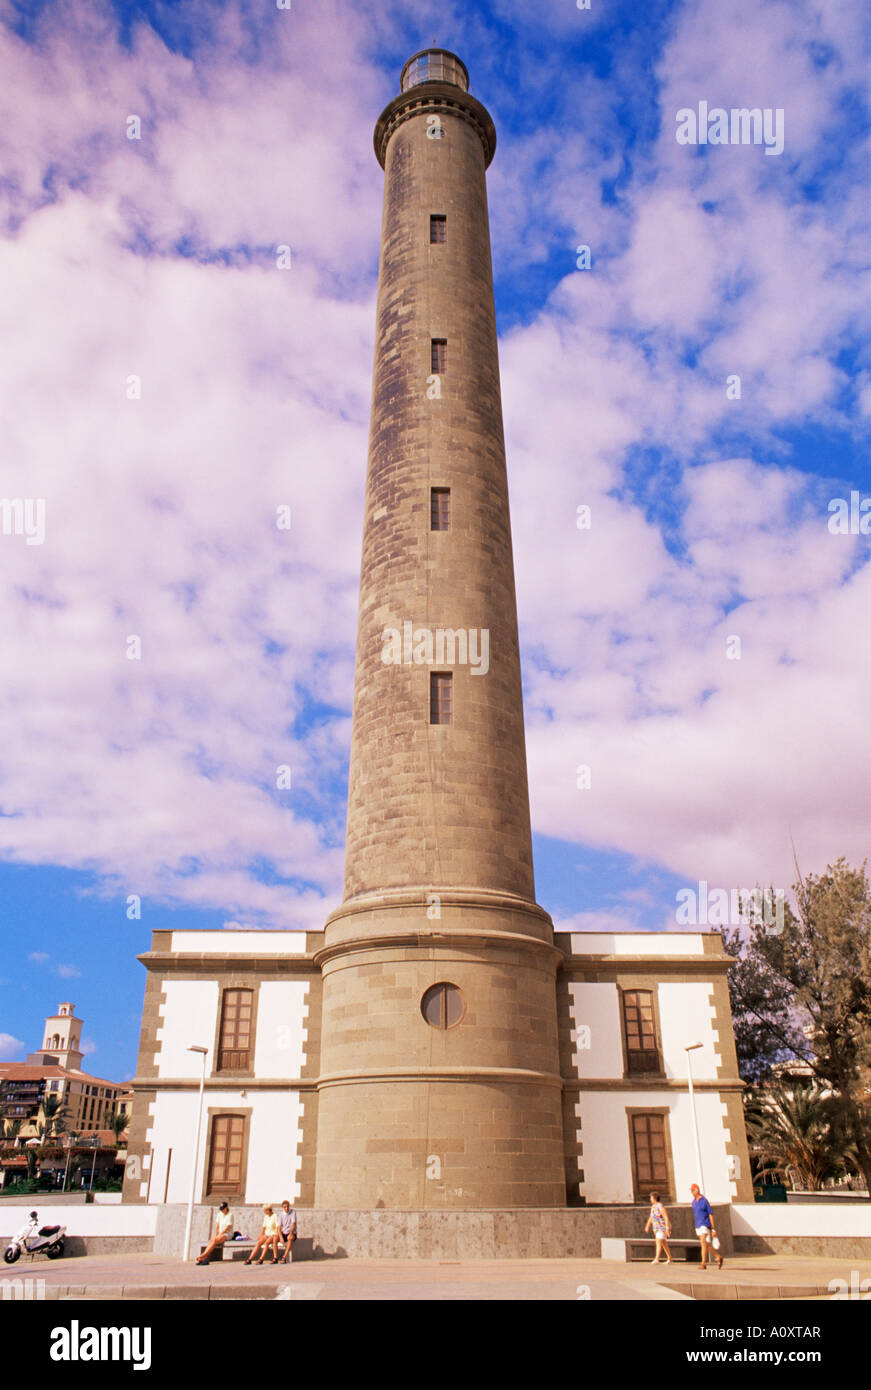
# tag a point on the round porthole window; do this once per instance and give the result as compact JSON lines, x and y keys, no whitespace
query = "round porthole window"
{"x":443,"y":1006}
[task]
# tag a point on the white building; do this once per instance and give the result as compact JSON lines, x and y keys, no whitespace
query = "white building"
{"x":629,"y":1005}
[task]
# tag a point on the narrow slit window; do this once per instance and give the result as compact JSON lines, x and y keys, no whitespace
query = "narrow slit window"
{"x":441,"y":703}
{"x":440,"y":509}
{"x":439,"y":356}
{"x":438,"y":229}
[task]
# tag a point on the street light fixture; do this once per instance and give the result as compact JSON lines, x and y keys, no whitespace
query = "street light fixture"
{"x":68,"y":1142}
{"x":692,"y":1047}
{"x":190,"y":1216}
{"x":96,"y":1138}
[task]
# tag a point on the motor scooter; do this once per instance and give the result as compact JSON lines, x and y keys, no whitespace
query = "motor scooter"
{"x":47,"y":1240}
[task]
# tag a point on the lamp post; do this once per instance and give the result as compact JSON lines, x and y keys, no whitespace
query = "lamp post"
{"x":69,"y":1140}
{"x":692,"y":1047}
{"x":187,"y":1232}
{"x":94,"y":1163}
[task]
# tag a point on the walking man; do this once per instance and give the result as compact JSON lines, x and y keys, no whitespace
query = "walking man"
{"x":703,"y":1220}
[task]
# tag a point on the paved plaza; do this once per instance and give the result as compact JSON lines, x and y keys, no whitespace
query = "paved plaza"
{"x":147,"y":1276}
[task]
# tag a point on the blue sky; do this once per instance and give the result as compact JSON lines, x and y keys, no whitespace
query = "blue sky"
{"x":156,"y":258}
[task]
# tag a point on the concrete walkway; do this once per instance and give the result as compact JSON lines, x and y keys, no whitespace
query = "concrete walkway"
{"x":156,"y":1277}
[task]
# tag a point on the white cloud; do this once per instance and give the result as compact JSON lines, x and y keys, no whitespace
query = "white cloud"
{"x":10,"y":1048}
{"x":255,"y":392}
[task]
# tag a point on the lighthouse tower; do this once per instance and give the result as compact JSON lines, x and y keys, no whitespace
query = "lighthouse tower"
{"x":437,"y":1049}
{"x":439,"y":1079}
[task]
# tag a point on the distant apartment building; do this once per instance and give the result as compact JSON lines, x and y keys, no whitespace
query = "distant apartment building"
{"x":89,"y":1102}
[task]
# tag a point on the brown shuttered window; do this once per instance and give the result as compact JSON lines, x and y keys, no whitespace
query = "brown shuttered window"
{"x":641,"y":1049}
{"x":225,"y":1153}
{"x":648,"y":1140}
{"x":440,"y":509}
{"x":439,"y":356}
{"x":442,"y":1006}
{"x":438,"y":230}
{"x":234,"y":1049}
{"x":441,"y":703}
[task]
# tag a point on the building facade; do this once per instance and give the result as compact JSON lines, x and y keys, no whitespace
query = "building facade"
{"x":627,"y":1005}
{"x":429,"y":1047}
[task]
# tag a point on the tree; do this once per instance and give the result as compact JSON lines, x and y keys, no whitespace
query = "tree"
{"x":11,"y":1129}
{"x":54,"y":1118}
{"x":805,"y":992}
{"x":118,"y":1123}
{"x":766,"y":1032}
{"x":791,"y":1131}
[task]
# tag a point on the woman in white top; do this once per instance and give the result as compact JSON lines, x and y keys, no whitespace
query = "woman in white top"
{"x":269,"y":1235}
{"x":222,"y":1230}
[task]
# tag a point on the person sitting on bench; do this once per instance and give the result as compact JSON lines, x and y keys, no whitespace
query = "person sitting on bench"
{"x":269,"y":1234}
{"x":287,"y":1222}
{"x":222,"y":1230}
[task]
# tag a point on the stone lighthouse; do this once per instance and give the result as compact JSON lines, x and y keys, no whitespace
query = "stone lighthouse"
{"x":437,"y":1048}
{"x":439,"y":1072}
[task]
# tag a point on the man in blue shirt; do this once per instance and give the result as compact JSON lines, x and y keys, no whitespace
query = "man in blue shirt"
{"x":703,"y":1220}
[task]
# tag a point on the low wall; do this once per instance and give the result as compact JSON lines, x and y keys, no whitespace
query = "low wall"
{"x":525,"y":1233}
{"x":803,"y":1228}
{"x":836,"y":1197}
{"x":570,"y":1232}
{"x":44,"y":1199}
{"x":61,"y":1199}
{"x":95,"y":1229}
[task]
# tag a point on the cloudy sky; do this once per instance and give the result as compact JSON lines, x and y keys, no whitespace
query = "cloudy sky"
{"x":165,"y":387}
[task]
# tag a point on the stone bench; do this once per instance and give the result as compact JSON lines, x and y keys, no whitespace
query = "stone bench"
{"x":628,"y":1248}
{"x":239,"y":1249}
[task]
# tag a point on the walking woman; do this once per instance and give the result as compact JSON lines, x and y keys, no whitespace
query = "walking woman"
{"x":658,"y":1219}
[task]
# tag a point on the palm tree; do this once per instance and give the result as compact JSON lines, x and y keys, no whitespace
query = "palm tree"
{"x":118,"y":1123}
{"x":54,"y":1118}
{"x":790,"y":1131}
{"x":11,"y":1129}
